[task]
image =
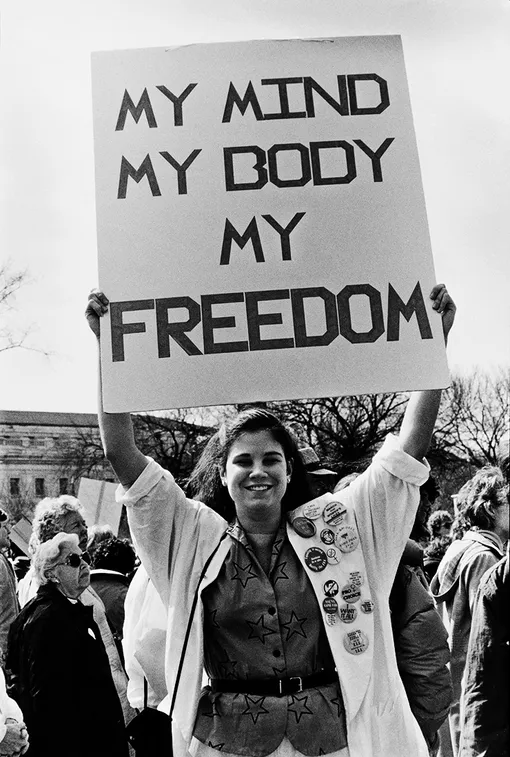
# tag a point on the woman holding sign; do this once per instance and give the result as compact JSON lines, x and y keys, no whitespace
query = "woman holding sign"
{"x":291,"y":620}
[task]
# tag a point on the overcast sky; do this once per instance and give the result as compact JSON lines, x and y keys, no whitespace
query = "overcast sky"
{"x":458,"y":62}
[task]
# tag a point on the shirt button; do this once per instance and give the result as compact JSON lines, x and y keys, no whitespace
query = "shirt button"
{"x":276,"y":653}
{"x":271,"y":610}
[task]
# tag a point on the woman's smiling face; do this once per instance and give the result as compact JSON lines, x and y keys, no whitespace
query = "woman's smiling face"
{"x":256,"y":476}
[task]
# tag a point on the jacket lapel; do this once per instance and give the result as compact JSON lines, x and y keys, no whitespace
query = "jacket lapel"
{"x":352,"y":644}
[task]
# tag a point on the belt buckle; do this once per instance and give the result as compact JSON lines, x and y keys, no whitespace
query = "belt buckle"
{"x":299,"y":681}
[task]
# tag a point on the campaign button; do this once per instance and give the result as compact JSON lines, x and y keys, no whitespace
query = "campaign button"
{"x":330,"y":605}
{"x":304,"y":527}
{"x":316,"y":559}
{"x":351,"y":594}
{"x":332,"y":556}
{"x":332,"y":619}
{"x":356,"y":578}
{"x":367,"y":606}
{"x":355,"y":642}
{"x":334,"y":513}
{"x":312,"y":510}
{"x":331,"y":588}
{"x":346,"y":539}
{"x":348,"y":614}
{"x":327,"y":536}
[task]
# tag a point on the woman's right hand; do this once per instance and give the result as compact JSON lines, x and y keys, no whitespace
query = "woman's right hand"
{"x":97,"y":306}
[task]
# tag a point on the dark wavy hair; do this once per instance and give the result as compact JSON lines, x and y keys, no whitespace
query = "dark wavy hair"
{"x":114,"y":554}
{"x":437,"y":520}
{"x":477,"y":500}
{"x":205,"y":484}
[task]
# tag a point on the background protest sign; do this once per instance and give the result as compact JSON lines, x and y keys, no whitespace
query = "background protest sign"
{"x":98,"y":501}
{"x":262,"y":231}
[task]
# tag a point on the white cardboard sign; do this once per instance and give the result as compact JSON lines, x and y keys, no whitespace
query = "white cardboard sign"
{"x":98,"y":501}
{"x":262,"y":231}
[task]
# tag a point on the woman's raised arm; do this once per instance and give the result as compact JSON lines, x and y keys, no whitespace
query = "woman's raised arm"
{"x":116,"y":428}
{"x":422,"y":408}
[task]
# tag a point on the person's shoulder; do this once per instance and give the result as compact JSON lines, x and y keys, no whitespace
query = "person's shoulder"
{"x":496,"y":578}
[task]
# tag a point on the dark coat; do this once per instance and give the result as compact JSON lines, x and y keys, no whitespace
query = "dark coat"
{"x":421,"y":645}
{"x":63,"y":681}
{"x":485,"y":728}
{"x":111,"y":587}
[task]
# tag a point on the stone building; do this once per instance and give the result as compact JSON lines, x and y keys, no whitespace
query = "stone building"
{"x":44,"y":454}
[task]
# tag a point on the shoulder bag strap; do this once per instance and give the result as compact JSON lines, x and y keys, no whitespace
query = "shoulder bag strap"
{"x":190,"y":622}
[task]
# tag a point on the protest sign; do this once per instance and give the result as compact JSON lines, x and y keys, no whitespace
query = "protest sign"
{"x":262,"y":231}
{"x":20,"y":534}
{"x":98,"y":501}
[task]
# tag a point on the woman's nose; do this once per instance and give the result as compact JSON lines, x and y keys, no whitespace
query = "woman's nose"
{"x":257,"y":468}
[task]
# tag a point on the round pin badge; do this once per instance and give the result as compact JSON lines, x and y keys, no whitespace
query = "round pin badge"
{"x":316,"y":559}
{"x":356,"y":578}
{"x":330,"y":605}
{"x":312,"y":510}
{"x":355,"y":642}
{"x":348,"y":613}
{"x":304,"y":527}
{"x":367,"y":606}
{"x":351,"y":594}
{"x":327,"y":536}
{"x":332,"y":556}
{"x":332,"y":619}
{"x":331,"y":588}
{"x":346,"y":539}
{"x":334,"y":513}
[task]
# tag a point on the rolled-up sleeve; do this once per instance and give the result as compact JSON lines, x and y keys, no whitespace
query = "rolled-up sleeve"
{"x":164,"y":523}
{"x":385,"y":499}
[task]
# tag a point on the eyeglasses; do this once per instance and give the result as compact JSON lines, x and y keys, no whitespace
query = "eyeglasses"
{"x":74,"y":560}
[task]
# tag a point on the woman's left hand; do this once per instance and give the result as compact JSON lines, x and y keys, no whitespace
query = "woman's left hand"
{"x":445,"y":306}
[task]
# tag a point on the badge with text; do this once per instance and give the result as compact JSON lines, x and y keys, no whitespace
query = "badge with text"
{"x":351,"y":594}
{"x":346,"y":539}
{"x":348,"y":614}
{"x":316,"y":559}
{"x":330,"y":605}
{"x":355,"y":642}
{"x":304,"y":527}
{"x":312,"y":510}
{"x":334,"y":513}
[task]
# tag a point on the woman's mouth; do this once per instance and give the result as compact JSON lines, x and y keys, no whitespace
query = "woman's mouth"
{"x":258,"y":487}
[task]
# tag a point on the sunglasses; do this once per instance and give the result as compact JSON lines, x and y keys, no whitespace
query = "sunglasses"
{"x":74,"y":560}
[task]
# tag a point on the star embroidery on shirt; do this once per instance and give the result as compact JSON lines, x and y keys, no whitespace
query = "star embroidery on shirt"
{"x":276,"y":546}
{"x":298,"y":707}
{"x":212,"y":619}
{"x":227,"y":666}
{"x":295,"y":626}
{"x":214,"y":712}
{"x":321,"y":750}
{"x":339,"y":703}
{"x":258,"y":630}
{"x":254,"y":707}
{"x":279,"y":572}
{"x":243,"y":574}
{"x":219,"y":746}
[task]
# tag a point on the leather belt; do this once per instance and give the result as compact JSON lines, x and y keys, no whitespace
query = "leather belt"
{"x":273,"y":687}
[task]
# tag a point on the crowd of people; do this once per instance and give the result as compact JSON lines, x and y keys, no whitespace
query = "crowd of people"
{"x":266,"y":619}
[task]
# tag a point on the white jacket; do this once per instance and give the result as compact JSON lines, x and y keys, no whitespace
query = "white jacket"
{"x":174,"y":537}
{"x":8,"y":707}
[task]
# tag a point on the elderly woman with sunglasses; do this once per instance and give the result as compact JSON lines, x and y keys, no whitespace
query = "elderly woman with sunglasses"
{"x":59,"y":664}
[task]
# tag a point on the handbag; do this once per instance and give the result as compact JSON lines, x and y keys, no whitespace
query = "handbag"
{"x":150,"y":732}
